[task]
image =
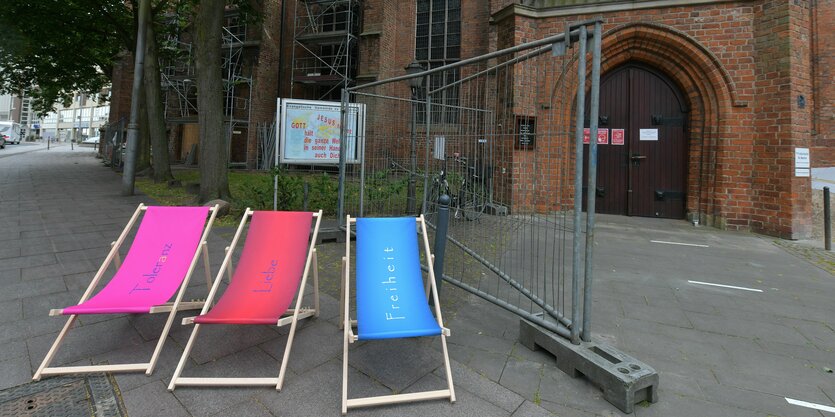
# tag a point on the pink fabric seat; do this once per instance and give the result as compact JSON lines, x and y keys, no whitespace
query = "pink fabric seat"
{"x":156,"y":264}
{"x":168,"y":244}
{"x":269,"y":271}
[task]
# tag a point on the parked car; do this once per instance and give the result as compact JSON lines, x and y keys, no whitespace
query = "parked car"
{"x":92,"y":140}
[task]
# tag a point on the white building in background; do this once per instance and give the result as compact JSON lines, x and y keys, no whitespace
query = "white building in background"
{"x":80,"y":120}
{"x":19,"y":110}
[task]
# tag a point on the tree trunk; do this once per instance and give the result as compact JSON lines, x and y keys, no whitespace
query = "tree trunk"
{"x":214,"y":182}
{"x":153,"y":104}
{"x":143,"y":152}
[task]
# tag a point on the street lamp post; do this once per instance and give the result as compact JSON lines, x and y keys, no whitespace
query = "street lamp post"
{"x":415,"y":84}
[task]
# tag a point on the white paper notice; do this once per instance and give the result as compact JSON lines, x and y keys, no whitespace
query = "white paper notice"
{"x":801,"y":172}
{"x":649,"y":134}
{"x":801,"y":158}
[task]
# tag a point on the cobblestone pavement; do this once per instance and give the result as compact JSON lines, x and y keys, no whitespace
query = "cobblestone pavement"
{"x":719,"y":351}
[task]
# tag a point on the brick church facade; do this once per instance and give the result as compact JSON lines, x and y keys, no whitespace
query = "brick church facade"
{"x":755,"y":76}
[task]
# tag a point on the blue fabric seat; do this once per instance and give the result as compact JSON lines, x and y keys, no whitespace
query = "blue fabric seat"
{"x":391,"y":300}
{"x":391,"y":297}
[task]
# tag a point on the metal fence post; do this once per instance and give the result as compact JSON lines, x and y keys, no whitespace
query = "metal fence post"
{"x":827,"y":220}
{"x":592,"y":184}
{"x":343,"y":147}
{"x":440,"y":240}
{"x":578,"y":185}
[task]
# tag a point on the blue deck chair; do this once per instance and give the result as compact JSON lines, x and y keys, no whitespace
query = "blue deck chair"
{"x":391,"y":297}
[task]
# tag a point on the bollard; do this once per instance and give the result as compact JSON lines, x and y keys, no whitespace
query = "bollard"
{"x":827,"y":220}
{"x":440,"y":240}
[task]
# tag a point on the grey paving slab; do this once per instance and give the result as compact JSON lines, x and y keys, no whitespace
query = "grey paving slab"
{"x":13,"y":349}
{"x":248,"y":408}
{"x":23,"y":289}
{"x":466,"y":403}
{"x":28,"y":261}
{"x":167,"y":362}
{"x":322,"y":334}
{"x":395,"y":363}
{"x":684,"y":406}
{"x":217,"y":341}
{"x":485,"y":363}
{"x":252,"y":362}
{"x":745,"y":379}
{"x":6,"y":253}
{"x":15,"y":371}
{"x":522,"y":377}
{"x":9,"y":276}
{"x":108,"y":335}
{"x":319,"y":393}
{"x":755,"y":401}
{"x":152,"y":400}
{"x":10,"y":310}
{"x":482,"y":387}
{"x":529,"y":409}
{"x":557,"y":410}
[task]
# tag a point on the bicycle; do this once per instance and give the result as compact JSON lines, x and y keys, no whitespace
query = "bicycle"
{"x":470,"y":199}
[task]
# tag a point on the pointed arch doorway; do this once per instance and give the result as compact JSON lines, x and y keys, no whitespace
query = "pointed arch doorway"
{"x":643,"y":159}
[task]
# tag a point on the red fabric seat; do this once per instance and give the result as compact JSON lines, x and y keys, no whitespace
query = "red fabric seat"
{"x":268,"y":274}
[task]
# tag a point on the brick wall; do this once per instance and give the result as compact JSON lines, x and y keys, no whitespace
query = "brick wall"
{"x":265,"y":75}
{"x":742,"y":66}
{"x":121,"y":89}
{"x":823,"y":66}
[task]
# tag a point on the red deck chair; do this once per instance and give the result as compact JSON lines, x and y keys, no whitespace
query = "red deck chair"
{"x":160,"y":261}
{"x":273,"y":267}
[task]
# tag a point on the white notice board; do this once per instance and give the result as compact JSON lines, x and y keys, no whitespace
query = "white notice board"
{"x":648,"y":134}
{"x":802,"y":162}
{"x":309,"y":132}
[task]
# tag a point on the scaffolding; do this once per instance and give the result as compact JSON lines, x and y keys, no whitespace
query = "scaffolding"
{"x":180,"y":88}
{"x":325,"y":45}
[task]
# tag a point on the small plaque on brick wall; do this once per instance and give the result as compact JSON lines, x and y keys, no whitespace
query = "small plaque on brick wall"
{"x":526,"y":132}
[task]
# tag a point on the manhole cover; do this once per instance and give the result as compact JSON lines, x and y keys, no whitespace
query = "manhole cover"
{"x":91,"y":395}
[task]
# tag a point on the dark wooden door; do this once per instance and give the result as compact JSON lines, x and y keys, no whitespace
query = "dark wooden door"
{"x":646,"y":175}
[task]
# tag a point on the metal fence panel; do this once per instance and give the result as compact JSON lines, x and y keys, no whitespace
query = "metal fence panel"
{"x":497,"y":133}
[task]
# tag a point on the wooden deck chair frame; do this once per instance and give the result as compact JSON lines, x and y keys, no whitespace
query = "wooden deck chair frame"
{"x":291,"y":317}
{"x":171,"y":308}
{"x":350,"y":337}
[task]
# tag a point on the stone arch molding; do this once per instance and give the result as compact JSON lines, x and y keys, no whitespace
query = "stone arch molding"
{"x":698,"y":71}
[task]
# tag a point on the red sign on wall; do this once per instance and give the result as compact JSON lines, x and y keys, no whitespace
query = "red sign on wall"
{"x":602,"y":136}
{"x":618,"y":136}
{"x":586,"y":136}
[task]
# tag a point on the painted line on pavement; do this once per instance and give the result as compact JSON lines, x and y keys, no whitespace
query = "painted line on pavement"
{"x":725,"y":286}
{"x":792,"y":401}
{"x":679,"y":243}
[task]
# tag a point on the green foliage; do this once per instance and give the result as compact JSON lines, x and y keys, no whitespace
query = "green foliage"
{"x":382,"y":187}
{"x":323,"y":193}
{"x":51,"y":49}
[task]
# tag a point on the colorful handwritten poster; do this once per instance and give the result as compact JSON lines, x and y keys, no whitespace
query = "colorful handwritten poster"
{"x":310,"y":131}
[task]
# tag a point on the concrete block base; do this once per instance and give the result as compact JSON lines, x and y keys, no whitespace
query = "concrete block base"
{"x":330,"y":234}
{"x":623,"y":379}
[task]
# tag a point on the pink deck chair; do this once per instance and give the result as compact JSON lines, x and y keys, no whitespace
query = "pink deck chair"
{"x":274,"y":265}
{"x":161,"y":259}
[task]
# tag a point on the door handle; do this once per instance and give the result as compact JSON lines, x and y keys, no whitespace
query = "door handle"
{"x":636,"y":159}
